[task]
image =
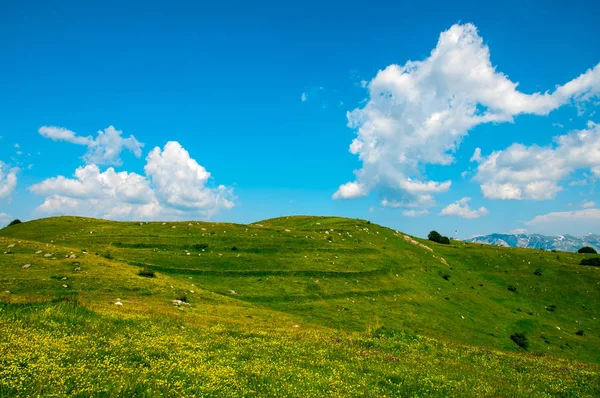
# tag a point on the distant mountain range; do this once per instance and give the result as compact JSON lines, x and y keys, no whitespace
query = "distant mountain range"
{"x":566,"y":243}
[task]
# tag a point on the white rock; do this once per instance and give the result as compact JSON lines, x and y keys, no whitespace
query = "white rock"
{"x":27,"y":266}
{"x":118,"y":303}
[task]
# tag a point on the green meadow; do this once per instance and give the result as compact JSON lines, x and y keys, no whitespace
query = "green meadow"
{"x":288,"y":307}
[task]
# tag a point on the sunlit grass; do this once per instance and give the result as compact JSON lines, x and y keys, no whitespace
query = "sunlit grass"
{"x":302,"y":306}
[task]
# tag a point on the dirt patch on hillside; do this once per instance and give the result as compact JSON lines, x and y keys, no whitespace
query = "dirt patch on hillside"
{"x":414,"y":242}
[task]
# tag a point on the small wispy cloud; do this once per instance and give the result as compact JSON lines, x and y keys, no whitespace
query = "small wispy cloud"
{"x":414,"y":213}
{"x":588,"y":204}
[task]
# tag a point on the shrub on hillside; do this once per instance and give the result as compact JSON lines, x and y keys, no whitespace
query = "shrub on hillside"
{"x":182,"y":297}
{"x":435,"y":236}
{"x":200,"y":246}
{"x":520,"y":339}
{"x":587,"y":250}
{"x":14,"y":222}
{"x":594,"y":261}
{"x":512,"y":288}
{"x":147,"y":273}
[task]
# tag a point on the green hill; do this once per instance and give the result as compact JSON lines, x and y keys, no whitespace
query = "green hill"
{"x":294,"y":306}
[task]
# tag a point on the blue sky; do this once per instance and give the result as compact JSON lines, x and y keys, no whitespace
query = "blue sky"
{"x":268,"y":98}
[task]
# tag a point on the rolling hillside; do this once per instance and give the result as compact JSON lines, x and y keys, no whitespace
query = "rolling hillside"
{"x":289,"y":306}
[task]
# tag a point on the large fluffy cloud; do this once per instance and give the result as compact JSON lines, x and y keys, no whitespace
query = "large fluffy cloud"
{"x":461,"y":208}
{"x":105,"y":149}
{"x":8,"y":180}
{"x":175,"y":186}
{"x":180,"y":182}
{"x":534,"y":172}
{"x":419,"y":112}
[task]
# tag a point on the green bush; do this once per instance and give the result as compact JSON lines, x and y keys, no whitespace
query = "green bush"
{"x":435,"y":236}
{"x":183,"y":298}
{"x":587,"y":250}
{"x":580,"y":332}
{"x":594,"y":261}
{"x":108,"y":256}
{"x":512,"y":288}
{"x":14,"y":222}
{"x":520,"y":339}
{"x":200,"y":246}
{"x":147,"y":273}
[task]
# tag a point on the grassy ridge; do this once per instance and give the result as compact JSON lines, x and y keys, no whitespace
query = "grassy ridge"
{"x":299,"y":304}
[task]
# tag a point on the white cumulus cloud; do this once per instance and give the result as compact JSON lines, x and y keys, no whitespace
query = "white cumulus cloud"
{"x":461,"y":208}
{"x":8,"y":180}
{"x":534,"y":172}
{"x":350,"y":190}
{"x":105,"y":149}
{"x":180,"y":182}
{"x":418,"y":113}
{"x":174,"y":187}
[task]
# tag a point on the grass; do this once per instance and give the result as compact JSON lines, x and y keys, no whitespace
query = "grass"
{"x":304,"y":306}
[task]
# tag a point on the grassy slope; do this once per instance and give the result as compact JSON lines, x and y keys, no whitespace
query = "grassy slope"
{"x":373,"y":311}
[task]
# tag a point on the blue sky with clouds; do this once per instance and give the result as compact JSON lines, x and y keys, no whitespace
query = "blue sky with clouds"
{"x":240,"y":112}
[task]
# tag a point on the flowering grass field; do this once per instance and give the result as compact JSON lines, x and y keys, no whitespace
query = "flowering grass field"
{"x":298,"y":306}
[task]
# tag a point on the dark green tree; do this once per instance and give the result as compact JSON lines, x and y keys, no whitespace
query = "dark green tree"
{"x":434,"y":236}
{"x":587,"y":250}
